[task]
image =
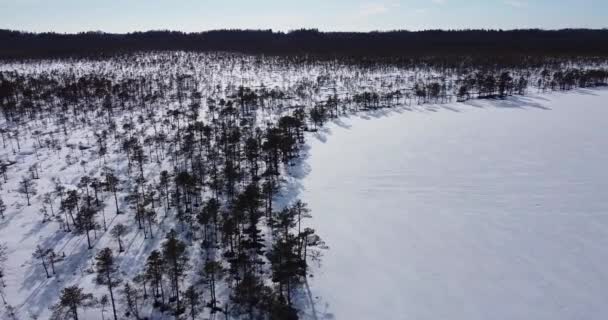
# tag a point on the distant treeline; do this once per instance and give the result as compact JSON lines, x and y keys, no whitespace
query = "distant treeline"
{"x":393,"y":44}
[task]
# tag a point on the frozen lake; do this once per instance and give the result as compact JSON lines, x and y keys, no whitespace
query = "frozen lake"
{"x":485,"y":210}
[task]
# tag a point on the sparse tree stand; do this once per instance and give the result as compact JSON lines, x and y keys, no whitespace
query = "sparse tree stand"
{"x":107,"y":273}
{"x":216,"y":164}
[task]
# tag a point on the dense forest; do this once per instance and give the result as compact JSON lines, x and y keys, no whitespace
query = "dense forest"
{"x":173,"y":169}
{"x":399,"y":45}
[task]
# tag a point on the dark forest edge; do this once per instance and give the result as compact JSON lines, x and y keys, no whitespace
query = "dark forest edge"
{"x":395,"y":45}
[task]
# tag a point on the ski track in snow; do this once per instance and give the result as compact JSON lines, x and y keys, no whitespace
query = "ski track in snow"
{"x":489,"y":209}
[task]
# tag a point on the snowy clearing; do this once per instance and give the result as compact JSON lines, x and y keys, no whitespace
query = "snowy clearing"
{"x":483,"y":210}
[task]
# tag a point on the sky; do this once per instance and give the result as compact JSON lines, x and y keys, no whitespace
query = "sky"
{"x":328,"y":15}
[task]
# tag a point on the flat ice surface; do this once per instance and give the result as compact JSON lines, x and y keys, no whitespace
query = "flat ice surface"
{"x":485,"y":210}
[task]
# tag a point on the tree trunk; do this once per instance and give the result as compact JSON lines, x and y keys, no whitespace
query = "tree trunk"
{"x":111,"y":295}
{"x":46,"y":270}
{"x":89,"y":240}
{"x":103,"y":213}
{"x":75,"y":312}
{"x":53,"y":264}
{"x":116,"y":202}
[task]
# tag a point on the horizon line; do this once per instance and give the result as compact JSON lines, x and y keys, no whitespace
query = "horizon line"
{"x":277,"y":31}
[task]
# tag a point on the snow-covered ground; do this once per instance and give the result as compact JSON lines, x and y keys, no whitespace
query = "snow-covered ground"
{"x":484,"y":210}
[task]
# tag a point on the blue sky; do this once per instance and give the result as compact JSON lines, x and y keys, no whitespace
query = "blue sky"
{"x":193,"y":15}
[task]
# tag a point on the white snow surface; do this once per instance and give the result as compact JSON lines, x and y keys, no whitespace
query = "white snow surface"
{"x":483,"y":210}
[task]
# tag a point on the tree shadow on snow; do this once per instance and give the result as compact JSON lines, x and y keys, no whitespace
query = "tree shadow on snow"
{"x":450,"y":108}
{"x":311,"y":307}
{"x":513,"y":102}
{"x":321,"y":134}
{"x":340,"y":123}
{"x":71,"y":269}
{"x":583,"y":91}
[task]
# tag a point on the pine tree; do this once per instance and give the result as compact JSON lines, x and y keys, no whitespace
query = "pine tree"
{"x":131,"y":296}
{"x":68,"y":205}
{"x":71,"y":299}
{"x":111,"y":185}
{"x":278,"y":309}
{"x":41,"y":254}
{"x":27,"y":187}
{"x":103,"y":304}
{"x":107,"y":273}
{"x":48,"y":200}
{"x":86,"y":222}
{"x":96,"y":184}
{"x":287,"y":267}
{"x":117,"y":232}
{"x":213,"y":272}
{"x":176,"y":260}
{"x":192,"y":300}
{"x":154,"y":272}
{"x":84,"y":184}
{"x":247,"y":295}
{"x":52,"y":258}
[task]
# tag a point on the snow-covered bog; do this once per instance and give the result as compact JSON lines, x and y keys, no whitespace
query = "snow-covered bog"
{"x":480,"y":210}
{"x":166,"y":185}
